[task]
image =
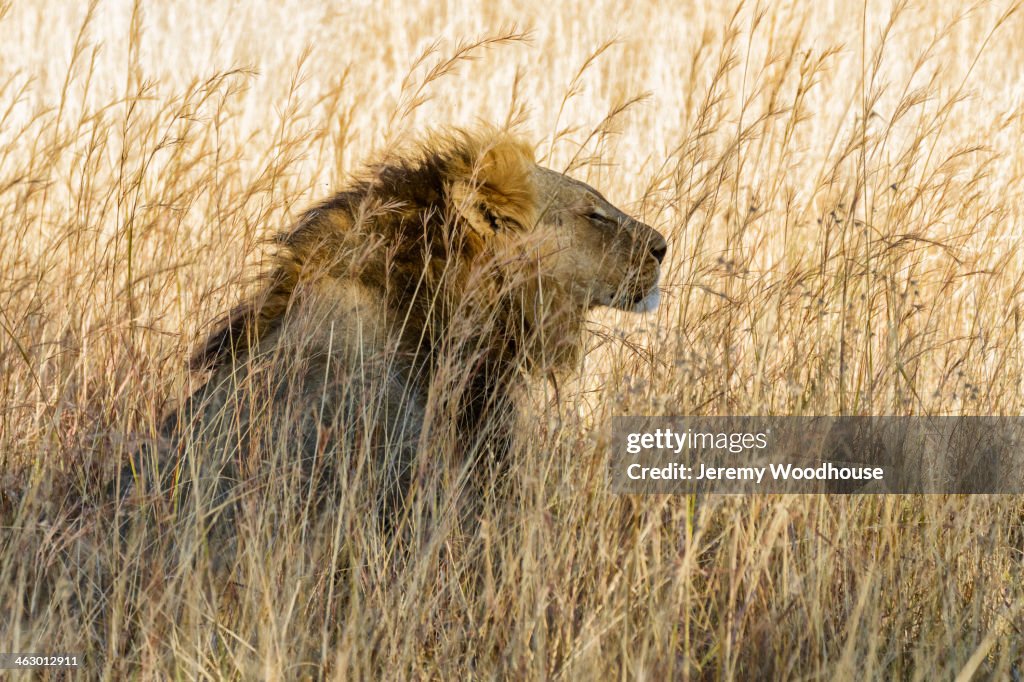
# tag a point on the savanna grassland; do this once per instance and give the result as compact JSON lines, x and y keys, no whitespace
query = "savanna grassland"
{"x":840,"y":186}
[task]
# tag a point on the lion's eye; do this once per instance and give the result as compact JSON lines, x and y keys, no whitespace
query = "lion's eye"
{"x":600,"y":218}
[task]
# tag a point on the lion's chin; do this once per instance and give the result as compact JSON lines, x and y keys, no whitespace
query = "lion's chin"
{"x":649,"y":302}
{"x":638,"y":303}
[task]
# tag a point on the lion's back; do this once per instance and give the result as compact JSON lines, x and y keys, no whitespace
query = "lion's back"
{"x":325,"y":385}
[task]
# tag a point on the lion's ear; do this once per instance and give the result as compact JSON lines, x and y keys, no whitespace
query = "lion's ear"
{"x":495,"y":193}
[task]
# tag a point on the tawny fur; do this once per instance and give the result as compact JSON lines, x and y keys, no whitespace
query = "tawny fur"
{"x":426,"y":291}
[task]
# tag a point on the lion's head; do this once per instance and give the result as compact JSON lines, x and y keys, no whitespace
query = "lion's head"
{"x":469,"y":234}
{"x":604,"y":256}
{"x":584,"y":249}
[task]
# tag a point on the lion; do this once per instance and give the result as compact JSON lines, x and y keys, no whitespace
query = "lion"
{"x":409,"y":307}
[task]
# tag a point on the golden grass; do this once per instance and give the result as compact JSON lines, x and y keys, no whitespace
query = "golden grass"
{"x":840,"y":186}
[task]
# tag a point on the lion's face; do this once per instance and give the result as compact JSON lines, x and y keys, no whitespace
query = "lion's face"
{"x":604,"y":256}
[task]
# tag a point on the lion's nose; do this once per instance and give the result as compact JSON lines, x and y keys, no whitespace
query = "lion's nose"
{"x":659,"y":247}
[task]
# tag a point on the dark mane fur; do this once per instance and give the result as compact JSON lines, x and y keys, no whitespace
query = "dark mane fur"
{"x":407,"y":205}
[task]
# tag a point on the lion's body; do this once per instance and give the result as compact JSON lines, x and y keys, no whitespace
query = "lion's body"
{"x":409,"y":307}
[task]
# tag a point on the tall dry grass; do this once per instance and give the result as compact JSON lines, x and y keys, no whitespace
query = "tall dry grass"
{"x":839,"y":183}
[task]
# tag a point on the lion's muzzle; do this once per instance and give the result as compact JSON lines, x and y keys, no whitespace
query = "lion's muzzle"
{"x":649,"y":248}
